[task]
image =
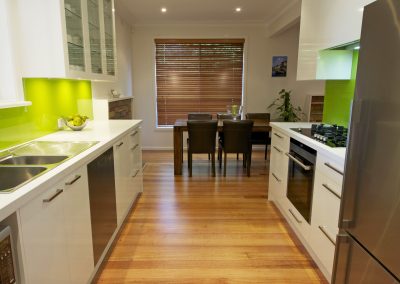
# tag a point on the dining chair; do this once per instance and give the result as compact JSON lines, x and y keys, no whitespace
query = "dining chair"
{"x":260,"y":138}
{"x":237,"y":139}
{"x":198,"y":116}
{"x":202,"y":136}
{"x":224,"y":116}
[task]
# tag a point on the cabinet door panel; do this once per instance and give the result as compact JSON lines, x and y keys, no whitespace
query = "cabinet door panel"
{"x":44,"y":238}
{"x":78,"y":227}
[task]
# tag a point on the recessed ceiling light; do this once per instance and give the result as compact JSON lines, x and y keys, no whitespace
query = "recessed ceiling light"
{"x":164,"y":10}
{"x":238,"y":9}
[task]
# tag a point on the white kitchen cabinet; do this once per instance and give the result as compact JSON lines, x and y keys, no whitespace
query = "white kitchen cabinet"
{"x":44,"y":239}
{"x":325,"y":211}
{"x":278,"y":167}
{"x":128,"y":172}
{"x":56,"y":233}
{"x":66,"y":38}
{"x":326,"y":24}
{"x":11,"y":94}
{"x":78,"y":227}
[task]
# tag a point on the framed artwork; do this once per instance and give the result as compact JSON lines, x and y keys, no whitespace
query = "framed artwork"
{"x":279,"y":66}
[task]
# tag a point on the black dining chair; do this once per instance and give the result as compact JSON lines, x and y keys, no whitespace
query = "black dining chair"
{"x":237,"y":139}
{"x":260,"y":138}
{"x":202,"y":136}
{"x":198,"y":116}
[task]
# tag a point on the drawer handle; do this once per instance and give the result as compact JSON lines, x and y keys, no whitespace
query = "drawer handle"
{"x":277,"y":135}
{"x":331,"y":190}
{"x":120,"y":144}
{"x":134,"y":133}
{"x":333,"y":168}
{"x":294,"y":216}
{"x":278,"y":179}
{"x":277,"y":149}
{"x":297,"y":161}
{"x":136,"y":173}
{"x":134,"y":147}
{"x":58,"y":192}
{"x":322,"y":229}
{"x":74,"y":180}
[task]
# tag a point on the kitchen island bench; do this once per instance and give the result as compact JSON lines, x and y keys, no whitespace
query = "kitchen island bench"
{"x":312,"y":213}
{"x":58,"y":220}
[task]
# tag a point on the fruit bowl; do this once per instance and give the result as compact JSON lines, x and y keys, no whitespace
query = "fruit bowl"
{"x":73,"y":125}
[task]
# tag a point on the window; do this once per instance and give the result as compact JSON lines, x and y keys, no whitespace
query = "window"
{"x":195,"y":75}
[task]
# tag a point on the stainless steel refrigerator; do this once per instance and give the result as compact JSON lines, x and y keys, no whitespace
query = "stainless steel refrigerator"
{"x":368,"y":243}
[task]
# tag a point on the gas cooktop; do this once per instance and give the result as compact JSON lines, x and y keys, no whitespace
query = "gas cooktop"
{"x":331,"y":135}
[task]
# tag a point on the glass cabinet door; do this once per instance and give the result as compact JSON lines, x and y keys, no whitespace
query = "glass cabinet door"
{"x":94,"y":36}
{"x":73,"y":18}
{"x":109,"y":36}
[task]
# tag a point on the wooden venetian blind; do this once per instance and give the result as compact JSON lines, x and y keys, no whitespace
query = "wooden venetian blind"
{"x":197,"y":75}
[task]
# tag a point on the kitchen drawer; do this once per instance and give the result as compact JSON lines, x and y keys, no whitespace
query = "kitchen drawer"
{"x":134,"y":137}
{"x":331,"y":168}
{"x":280,"y":140}
{"x":325,"y":218}
{"x":295,"y":219}
{"x":276,"y":187}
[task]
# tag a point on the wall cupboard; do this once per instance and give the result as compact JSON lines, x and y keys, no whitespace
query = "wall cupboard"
{"x":326,"y":24}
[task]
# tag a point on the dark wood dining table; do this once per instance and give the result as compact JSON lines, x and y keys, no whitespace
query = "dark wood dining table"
{"x":180,"y":126}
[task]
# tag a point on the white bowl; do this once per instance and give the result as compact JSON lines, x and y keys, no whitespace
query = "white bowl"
{"x":77,"y":128}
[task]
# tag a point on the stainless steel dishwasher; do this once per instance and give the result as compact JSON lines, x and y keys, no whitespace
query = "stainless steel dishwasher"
{"x":102,"y":201}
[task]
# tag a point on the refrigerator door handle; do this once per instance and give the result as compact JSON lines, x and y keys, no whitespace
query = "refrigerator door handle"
{"x":339,"y":274}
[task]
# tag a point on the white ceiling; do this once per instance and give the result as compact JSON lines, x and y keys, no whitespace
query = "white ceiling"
{"x":144,"y":12}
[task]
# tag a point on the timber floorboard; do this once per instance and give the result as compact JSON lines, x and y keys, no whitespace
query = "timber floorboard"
{"x":207,"y":230}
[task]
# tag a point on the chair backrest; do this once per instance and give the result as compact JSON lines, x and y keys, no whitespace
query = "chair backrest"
{"x":199,"y":116}
{"x":237,"y":136}
{"x":224,"y":116}
{"x":259,"y":116}
{"x":202,"y":135}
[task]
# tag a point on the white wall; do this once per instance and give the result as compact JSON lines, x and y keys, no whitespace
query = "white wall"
{"x":123,"y":82}
{"x":260,"y":88}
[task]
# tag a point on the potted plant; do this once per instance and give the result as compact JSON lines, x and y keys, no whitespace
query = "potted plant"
{"x":287,"y":112}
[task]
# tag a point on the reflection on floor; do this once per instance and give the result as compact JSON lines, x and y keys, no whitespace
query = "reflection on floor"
{"x":207,"y":230}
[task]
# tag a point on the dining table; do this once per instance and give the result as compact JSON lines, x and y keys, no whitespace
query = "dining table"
{"x":180,"y":126}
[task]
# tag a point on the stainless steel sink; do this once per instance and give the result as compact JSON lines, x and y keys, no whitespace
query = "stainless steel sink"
{"x":52,"y":148}
{"x":32,"y":160}
{"x":45,"y":155}
{"x":11,"y":177}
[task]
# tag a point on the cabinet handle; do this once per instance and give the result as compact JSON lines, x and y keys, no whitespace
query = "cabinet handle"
{"x":74,"y":180}
{"x":333,"y":168}
{"x":277,"y":149}
{"x":120,"y":144}
{"x":136,"y":173}
{"x":50,"y":199}
{"x":322,"y":229}
{"x":278,"y":179}
{"x":305,"y":167}
{"x":134,"y":147}
{"x":294,"y":216}
{"x":331,"y":190}
{"x":134,"y":133}
{"x":277,"y":135}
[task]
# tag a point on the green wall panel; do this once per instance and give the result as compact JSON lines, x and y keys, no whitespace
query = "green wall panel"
{"x":338,"y":97}
{"x":51,"y":99}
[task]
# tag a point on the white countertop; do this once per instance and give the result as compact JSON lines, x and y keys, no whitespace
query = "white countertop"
{"x":105,"y":132}
{"x":337,"y":154}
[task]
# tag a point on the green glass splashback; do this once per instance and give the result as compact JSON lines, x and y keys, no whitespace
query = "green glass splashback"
{"x":51,"y":99}
{"x":338,"y":97}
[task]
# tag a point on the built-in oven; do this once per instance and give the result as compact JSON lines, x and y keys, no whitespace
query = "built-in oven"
{"x":302,"y":161}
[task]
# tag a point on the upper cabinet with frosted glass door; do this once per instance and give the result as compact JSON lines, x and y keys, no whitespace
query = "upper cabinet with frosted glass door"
{"x":67,"y":39}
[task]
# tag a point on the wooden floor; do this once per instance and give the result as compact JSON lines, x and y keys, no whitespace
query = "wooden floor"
{"x":207,"y":230}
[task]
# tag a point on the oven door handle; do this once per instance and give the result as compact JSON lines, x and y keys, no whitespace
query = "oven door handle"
{"x":305,"y":167}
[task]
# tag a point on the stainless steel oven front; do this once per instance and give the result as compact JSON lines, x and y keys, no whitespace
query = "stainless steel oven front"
{"x":302,"y":161}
